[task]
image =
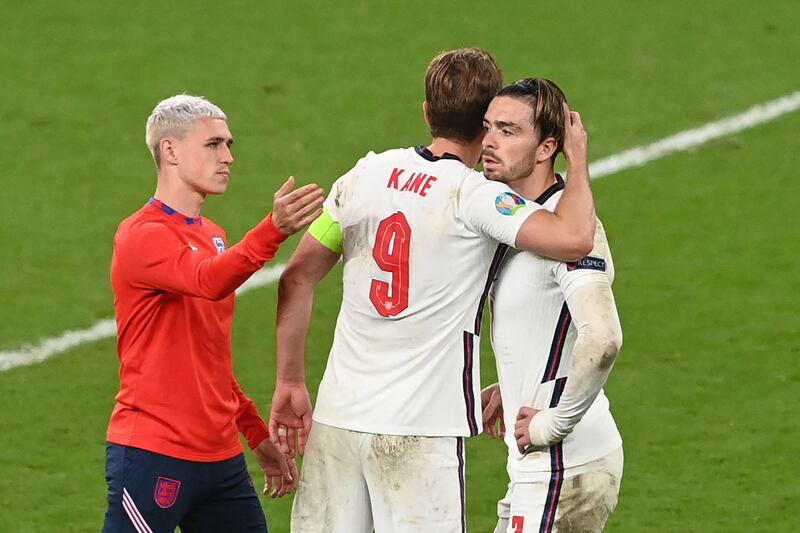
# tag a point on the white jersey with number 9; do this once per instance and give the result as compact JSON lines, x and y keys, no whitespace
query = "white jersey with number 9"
{"x":422,"y":238}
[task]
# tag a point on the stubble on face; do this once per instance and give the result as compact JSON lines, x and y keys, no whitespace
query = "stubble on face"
{"x":512,"y":170}
{"x":509,"y":148}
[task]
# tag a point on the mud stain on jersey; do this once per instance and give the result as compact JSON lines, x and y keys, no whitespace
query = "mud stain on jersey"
{"x":606,"y":338}
{"x":343,"y":193}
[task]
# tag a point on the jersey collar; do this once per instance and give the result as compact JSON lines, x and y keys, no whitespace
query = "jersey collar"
{"x":423,"y":152}
{"x":158,"y":204}
{"x":551,"y":190}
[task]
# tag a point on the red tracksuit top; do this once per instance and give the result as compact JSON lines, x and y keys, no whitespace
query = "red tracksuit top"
{"x":174,"y":283}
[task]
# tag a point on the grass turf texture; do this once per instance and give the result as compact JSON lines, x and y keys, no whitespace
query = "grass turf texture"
{"x":706,"y":274}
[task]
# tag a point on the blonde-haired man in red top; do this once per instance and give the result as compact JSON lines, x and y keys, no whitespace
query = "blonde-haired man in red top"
{"x":174,"y":457}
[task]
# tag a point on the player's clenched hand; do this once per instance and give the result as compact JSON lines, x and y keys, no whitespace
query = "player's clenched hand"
{"x":521,"y":431}
{"x":292,"y":210}
{"x":280,"y":471}
{"x":290,"y":417}
{"x":575,"y":138}
{"x":492,"y":404}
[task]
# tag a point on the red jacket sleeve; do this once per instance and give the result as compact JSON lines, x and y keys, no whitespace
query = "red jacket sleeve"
{"x":248,"y":421}
{"x":155,"y":257}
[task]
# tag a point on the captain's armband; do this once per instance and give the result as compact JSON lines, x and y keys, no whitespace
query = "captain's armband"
{"x":327,"y":231}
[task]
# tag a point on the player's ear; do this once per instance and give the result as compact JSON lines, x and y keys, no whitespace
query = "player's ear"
{"x":546,"y":149}
{"x":166,"y":148}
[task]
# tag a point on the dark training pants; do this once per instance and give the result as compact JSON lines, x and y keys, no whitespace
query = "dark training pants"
{"x":152,"y":493}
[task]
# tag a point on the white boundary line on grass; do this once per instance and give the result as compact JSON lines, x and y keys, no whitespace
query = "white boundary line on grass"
{"x":688,"y":139}
{"x":635,"y":157}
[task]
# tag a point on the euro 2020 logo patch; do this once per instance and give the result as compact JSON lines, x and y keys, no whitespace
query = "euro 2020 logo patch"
{"x":508,"y":203}
{"x":167,"y":492}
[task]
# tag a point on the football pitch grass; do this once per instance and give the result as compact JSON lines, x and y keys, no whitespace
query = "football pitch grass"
{"x":705,"y":390}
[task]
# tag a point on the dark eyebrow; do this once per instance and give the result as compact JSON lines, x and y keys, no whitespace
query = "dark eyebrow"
{"x":219,"y":140}
{"x":504,"y":124}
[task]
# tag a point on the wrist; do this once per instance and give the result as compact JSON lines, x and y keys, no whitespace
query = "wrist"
{"x":256,"y":436}
{"x":577,"y":164}
{"x":280,"y":233}
{"x":538,"y":429}
{"x":294,"y":381}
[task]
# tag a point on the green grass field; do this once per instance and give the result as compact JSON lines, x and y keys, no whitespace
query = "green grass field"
{"x":707,"y":280}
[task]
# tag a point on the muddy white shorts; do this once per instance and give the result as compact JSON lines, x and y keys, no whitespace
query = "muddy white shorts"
{"x":352,"y":482}
{"x":578,"y":499}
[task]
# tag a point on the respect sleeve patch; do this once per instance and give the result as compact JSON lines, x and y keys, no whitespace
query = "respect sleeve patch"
{"x":588,"y":263}
{"x":327,"y":231}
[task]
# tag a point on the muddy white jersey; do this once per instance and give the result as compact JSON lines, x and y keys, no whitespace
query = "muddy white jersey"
{"x":532,"y":339}
{"x":421,"y":238}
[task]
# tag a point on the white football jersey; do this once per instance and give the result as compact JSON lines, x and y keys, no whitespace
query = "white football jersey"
{"x":422,"y":239}
{"x":532,"y":338}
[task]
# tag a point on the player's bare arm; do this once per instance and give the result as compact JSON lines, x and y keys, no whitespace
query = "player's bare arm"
{"x":295,"y":209}
{"x":568,"y":233}
{"x":599,"y":339}
{"x":290,"y":417}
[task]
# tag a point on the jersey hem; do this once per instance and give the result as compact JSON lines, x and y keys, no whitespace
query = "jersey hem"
{"x":535,"y":476}
{"x":176,"y":452}
{"x":417,"y":431}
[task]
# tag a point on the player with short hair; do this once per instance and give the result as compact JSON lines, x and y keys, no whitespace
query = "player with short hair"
{"x":421,"y":235}
{"x":555,"y":335}
{"x":174,"y":457}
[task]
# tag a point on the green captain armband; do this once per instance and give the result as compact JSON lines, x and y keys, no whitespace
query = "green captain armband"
{"x":327,"y":231}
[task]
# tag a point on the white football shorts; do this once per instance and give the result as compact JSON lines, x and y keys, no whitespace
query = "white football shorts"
{"x":578,"y":499}
{"x":352,"y":482}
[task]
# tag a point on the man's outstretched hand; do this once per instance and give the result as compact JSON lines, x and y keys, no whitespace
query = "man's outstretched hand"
{"x":293,"y":210}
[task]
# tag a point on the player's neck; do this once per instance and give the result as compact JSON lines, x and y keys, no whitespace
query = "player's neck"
{"x":532,"y":186}
{"x":176,"y":194}
{"x":469,"y":153}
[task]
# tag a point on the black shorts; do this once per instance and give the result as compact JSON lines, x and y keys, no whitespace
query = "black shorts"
{"x":152,"y":493}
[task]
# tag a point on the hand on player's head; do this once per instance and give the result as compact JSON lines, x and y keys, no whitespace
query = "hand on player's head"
{"x":575,"y":137}
{"x":293,"y":210}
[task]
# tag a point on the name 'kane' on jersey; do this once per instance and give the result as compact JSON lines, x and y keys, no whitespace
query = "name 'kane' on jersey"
{"x":422,"y":237}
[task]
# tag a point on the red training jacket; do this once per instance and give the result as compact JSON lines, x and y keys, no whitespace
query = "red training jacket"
{"x":174,"y":284}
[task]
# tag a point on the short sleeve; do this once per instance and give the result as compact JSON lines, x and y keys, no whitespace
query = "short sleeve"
{"x":493,"y":209}
{"x":332,"y":203}
{"x":337,"y":198}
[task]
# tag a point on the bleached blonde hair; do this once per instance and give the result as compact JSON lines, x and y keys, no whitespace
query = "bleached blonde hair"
{"x":173,"y":117}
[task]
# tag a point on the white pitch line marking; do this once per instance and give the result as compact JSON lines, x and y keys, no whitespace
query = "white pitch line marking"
{"x":635,"y":157}
{"x":687,"y":139}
